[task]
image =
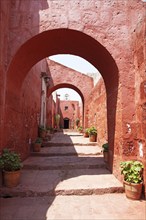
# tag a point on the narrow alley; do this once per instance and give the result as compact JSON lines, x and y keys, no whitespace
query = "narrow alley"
{"x":68,"y":179}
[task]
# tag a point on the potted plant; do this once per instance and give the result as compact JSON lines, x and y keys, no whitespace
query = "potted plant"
{"x":80,"y":129}
{"x":105,"y":148}
{"x":42,"y":132}
{"x":77,"y":122}
{"x":10,"y":163}
{"x":133,"y":178}
{"x":92,"y":134}
{"x":37,"y":145}
{"x":57,"y":120}
{"x":86,"y":133}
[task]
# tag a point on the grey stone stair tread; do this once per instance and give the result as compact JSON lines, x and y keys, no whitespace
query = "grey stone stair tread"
{"x":65,"y":182}
{"x":60,"y":144}
{"x":66,"y":150}
{"x":63,"y":162}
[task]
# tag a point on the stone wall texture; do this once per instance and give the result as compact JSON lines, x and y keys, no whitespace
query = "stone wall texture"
{"x":109,"y":34}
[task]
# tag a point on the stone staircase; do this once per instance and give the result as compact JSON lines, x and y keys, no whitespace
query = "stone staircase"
{"x":67,"y":165}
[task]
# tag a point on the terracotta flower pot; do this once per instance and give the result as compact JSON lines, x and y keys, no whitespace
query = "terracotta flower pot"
{"x":86,"y":134}
{"x":105,"y":154}
{"x":42,"y":134}
{"x":133,"y":190}
{"x":11,"y":178}
{"x":92,"y":138}
{"x":37,"y":147}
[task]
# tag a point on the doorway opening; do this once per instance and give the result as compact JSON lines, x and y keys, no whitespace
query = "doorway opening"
{"x":66,"y":123}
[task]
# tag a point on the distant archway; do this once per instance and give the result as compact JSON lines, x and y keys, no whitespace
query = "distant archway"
{"x":67,"y":85}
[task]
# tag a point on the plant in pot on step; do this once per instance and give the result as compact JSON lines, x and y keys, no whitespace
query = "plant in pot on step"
{"x":80,"y":129}
{"x":92,"y":134}
{"x":37,"y":145}
{"x":86,"y":132}
{"x":133,"y":178}
{"x":42,"y":131}
{"x":77,"y":122}
{"x":11,"y":165}
{"x":105,"y":148}
{"x":57,"y":120}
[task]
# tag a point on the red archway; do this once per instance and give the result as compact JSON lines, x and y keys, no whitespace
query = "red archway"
{"x":65,"y":41}
{"x":67,"y":85}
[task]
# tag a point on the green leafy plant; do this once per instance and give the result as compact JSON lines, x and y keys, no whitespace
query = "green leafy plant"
{"x":86,"y":133}
{"x":57,"y":120}
{"x":41,"y":128}
{"x":132,"y":171}
{"x":80,"y":128}
{"x":92,"y":131}
{"x":10,"y":161}
{"x":49,"y":128}
{"x":38,"y":140}
{"x":87,"y":130}
{"x":105,"y":147}
{"x":77,"y":122}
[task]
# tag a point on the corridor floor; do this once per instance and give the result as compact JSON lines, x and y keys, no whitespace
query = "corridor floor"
{"x":68,"y":180}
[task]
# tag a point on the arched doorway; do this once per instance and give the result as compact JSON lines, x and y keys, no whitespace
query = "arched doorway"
{"x":66,"y":41}
{"x":67,"y":85}
{"x":66,"y":123}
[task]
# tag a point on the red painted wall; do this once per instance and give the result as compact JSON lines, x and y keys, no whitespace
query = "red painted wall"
{"x":111,"y":37}
{"x":72,"y":113}
{"x":139,"y":124}
{"x":63,"y":75}
{"x":4,"y":39}
{"x":96,"y":111}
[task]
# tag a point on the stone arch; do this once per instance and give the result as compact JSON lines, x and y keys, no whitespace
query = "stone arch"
{"x":66,"y":41}
{"x":67,"y":85}
{"x":70,"y":76}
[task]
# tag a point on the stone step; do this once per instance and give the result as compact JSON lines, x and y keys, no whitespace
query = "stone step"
{"x":62,"y":144}
{"x":70,"y":139}
{"x":68,"y":151}
{"x":64,"y":182}
{"x":64,"y":162}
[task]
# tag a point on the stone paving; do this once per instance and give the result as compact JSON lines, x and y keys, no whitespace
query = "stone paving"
{"x":67,"y":181}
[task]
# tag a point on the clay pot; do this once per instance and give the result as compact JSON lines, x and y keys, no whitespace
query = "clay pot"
{"x":133,"y":190}
{"x":92,"y":138}
{"x":86,"y":134}
{"x":42,"y":134}
{"x":11,"y":178}
{"x":105,"y":154}
{"x":37,"y":147}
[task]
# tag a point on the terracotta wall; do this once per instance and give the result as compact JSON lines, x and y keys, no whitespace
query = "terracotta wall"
{"x":23,"y":121}
{"x":72,"y":112}
{"x":96,"y":111}
{"x":4,"y":38}
{"x":139,"y":60}
{"x":63,"y":75}
{"x":111,"y":35}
